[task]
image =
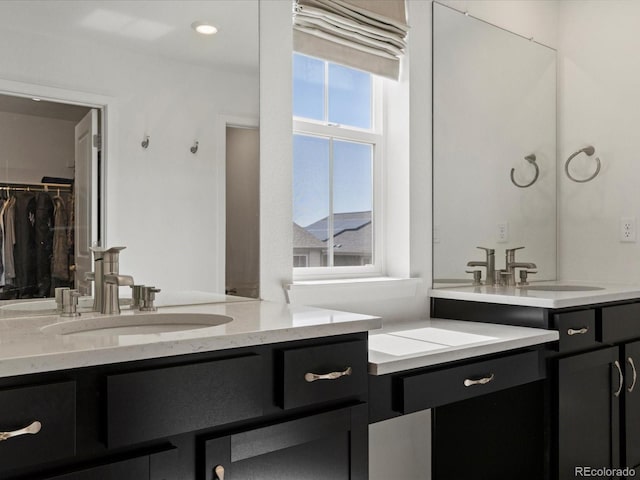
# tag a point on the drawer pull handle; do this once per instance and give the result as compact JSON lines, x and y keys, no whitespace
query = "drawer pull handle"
{"x":635,"y":375}
{"x":30,"y":429}
{"x":219,"y":471}
{"x":620,"y":378}
{"x":580,"y":331}
{"x":312,"y":377}
{"x":481,"y":381}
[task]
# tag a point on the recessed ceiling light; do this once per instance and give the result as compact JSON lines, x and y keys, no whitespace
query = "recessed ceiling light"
{"x":204,"y":28}
{"x":35,"y":99}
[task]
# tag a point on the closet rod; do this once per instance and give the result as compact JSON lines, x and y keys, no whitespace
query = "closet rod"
{"x":33,"y":187}
{"x":41,"y":184}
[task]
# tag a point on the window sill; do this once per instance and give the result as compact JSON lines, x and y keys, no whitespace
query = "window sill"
{"x":318,"y":292}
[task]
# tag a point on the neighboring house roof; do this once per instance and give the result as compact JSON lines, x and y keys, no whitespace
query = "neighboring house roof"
{"x":353,"y":234}
{"x":341,"y":223}
{"x":303,"y":239}
{"x":353,"y":242}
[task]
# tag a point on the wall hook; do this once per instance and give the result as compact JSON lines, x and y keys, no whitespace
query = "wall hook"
{"x":145,"y":141}
{"x":589,"y":151}
{"x":194,"y":149}
{"x":532,"y":160}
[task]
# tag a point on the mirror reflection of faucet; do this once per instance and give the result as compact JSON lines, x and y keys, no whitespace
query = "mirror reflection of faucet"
{"x":502,"y":277}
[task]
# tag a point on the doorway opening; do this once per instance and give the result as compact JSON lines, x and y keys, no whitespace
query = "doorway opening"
{"x":50,"y":169}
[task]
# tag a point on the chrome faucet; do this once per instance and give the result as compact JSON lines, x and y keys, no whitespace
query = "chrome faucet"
{"x":511,"y":265}
{"x":112,"y":282}
{"x":489,"y":264}
{"x":107,"y":278}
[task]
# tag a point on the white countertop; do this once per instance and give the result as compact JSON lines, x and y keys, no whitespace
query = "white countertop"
{"x":24,"y":349}
{"x":540,"y":298}
{"x":422,"y":343}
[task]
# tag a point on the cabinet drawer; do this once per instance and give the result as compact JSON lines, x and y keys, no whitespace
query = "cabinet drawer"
{"x":421,"y":391}
{"x":300,"y":385}
{"x":54,"y":406}
{"x":151,"y":404}
{"x":139,"y":468}
{"x":620,"y":323}
{"x":577,"y":330}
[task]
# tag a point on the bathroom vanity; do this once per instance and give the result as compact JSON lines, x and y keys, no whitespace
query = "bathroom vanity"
{"x":586,"y":395}
{"x":279,"y":390}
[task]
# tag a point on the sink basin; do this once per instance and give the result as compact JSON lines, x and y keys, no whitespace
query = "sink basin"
{"x":562,"y":288}
{"x":137,"y":324}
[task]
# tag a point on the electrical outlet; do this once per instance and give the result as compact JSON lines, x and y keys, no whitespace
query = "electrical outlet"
{"x":627,"y":229}
{"x":502,"y":232}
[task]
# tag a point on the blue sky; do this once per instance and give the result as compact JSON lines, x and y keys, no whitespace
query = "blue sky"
{"x":349,"y":103}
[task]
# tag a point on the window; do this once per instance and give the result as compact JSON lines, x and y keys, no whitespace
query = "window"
{"x":336,"y":145}
{"x":300,"y":260}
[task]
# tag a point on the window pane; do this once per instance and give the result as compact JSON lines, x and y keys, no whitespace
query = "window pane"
{"x":308,"y":87}
{"x":352,"y":203}
{"x":310,"y":198}
{"x":349,"y":96}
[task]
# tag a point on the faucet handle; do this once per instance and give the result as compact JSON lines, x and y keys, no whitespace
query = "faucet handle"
{"x":511,"y":250}
{"x":490,"y":251}
{"x":523,"y":276}
{"x":70,"y":303}
{"x":136,"y":295}
{"x":147,"y":296}
{"x":477,"y":276}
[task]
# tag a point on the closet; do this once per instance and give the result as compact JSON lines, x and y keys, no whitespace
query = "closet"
{"x":38,"y":233}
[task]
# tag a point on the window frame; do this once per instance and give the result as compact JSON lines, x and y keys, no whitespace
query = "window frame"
{"x":374,"y":137}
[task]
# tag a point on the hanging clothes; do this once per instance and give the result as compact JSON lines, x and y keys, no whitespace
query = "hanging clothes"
{"x":44,"y":243}
{"x":2,"y":203}
{"x":60,"y":260}
{"x":25,"y":244}
{"x":8,"y":224}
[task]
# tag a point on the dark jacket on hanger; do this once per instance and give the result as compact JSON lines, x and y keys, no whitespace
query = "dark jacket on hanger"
{"x":25,"y":247}
{"x":44,"y":243}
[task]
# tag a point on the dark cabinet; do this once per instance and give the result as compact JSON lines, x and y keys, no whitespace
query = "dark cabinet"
{"x":252,"y":409}
{"x":589,"y":387}
{"x":53,"y":406}
{"x":139,"y":468}
{"x":631,"y":410}
{"x":150,"y":404}
{"x":594,"y":402}
{"x":328,"y":445}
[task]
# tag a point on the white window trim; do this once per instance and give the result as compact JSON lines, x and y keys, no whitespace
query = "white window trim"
{"x":375,"y":137}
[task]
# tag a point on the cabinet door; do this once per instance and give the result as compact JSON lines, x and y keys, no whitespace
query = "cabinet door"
{"x":631,"y":416}
{"x":330,"y":445}
{"x":590,"y":386}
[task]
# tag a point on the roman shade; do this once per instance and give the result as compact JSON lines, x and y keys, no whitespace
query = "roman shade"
{"x":364,"y":34}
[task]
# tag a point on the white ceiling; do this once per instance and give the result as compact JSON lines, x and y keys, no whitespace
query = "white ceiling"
{"x":27,"y":106}
{"x":155,"y":27}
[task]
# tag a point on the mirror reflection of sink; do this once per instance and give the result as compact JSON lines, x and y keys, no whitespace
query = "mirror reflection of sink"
{"x":562,"y":288}
{"x":43,"y":306}
{"x":138,"y":324}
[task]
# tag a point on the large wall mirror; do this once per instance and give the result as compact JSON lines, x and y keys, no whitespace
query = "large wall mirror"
{"x":494,"y":147}
{"x":167,"y":101}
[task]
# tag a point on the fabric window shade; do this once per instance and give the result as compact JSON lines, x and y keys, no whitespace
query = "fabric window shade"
{"x":369,"y":35}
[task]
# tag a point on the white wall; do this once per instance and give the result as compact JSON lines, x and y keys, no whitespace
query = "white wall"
{"x":599,"y":105}
{"x":160,"y":201}
{"x":33,"y":147}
